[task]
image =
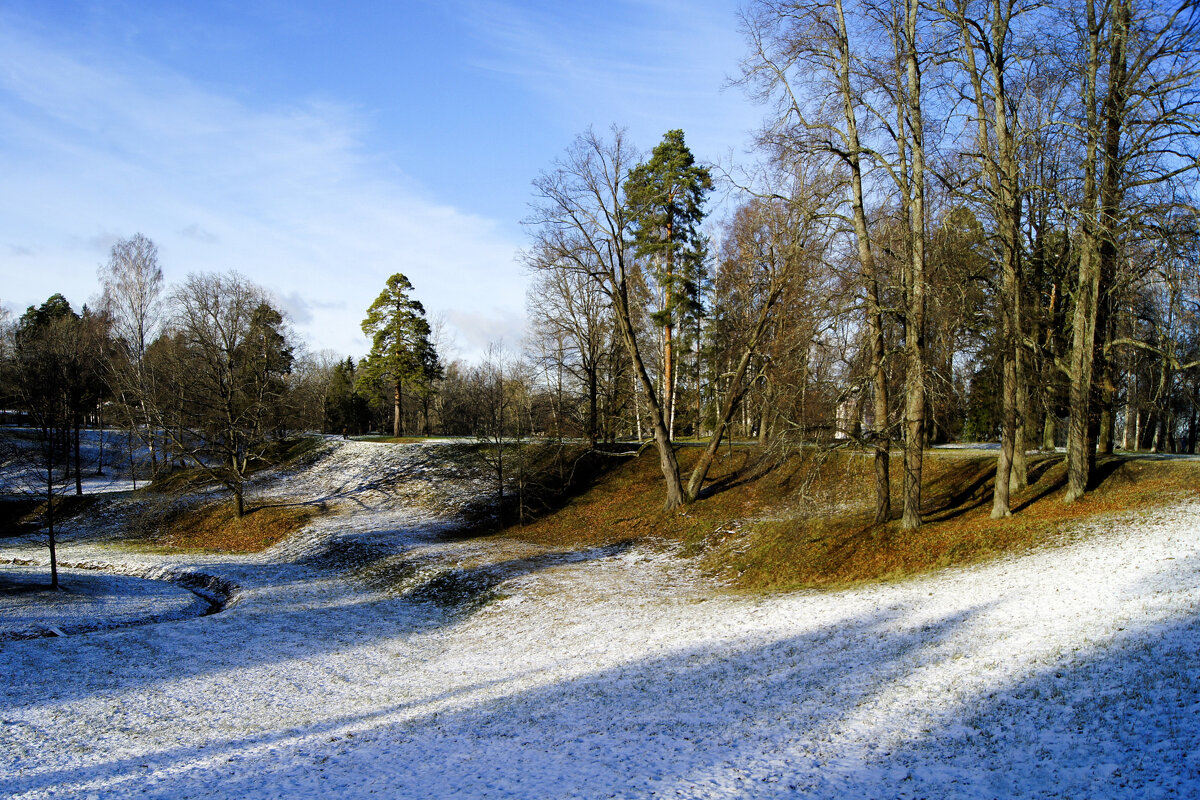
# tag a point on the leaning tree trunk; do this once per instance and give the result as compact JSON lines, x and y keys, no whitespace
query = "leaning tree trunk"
{"x":676,"y":496}
{"x":737,"y":390}
{"x":874,"y":313}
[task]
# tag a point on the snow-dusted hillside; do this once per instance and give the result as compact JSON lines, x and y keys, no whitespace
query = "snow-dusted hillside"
{"x":372,"y":655}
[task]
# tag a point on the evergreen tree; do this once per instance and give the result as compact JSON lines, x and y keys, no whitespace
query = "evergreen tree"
{"x":665,"y":196}
{"x":345,"y":408}
{"x":402,"y":353}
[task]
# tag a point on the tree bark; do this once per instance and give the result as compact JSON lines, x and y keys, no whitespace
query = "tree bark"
{"x":676,"y":496}
{"x":866,"y":256}
{"x":397,"y":411}
{"x":914,"y":340}
{"x":1083,"y":327}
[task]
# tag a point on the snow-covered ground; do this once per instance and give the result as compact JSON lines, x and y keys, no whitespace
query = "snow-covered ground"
{"x":373,"y":655}
{"x":89,"y":600}
{"x":111,"y":461}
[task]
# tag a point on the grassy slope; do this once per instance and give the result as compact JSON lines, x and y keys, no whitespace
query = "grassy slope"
{"x":806,"y":523}
{"x":216,"y":528}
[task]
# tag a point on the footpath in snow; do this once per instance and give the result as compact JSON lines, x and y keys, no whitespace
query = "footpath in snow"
{"x":373,"y":655}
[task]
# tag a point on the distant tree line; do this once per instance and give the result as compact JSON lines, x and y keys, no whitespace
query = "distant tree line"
{"x":204,"y":374}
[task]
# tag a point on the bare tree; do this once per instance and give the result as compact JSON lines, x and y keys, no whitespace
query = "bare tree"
{"x":131,"y":300}
{"x":990,"y":57}
{"x":779,"y":243}
{"x":229,"y":351}
{"x":572,"y":319}
{"x":1138,"y":118}
{"x":583,"y":223}
{"x":823,"y":86}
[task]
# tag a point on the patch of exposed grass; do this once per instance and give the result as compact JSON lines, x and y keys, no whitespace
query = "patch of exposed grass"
{"x":217,"y":528}
{"x":625,"y":503}
{"x":837,"y":550}
{"x":807,"y":522}
{"x":383,"y":438}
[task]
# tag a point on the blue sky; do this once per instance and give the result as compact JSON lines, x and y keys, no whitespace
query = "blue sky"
{"x":319,"y":147}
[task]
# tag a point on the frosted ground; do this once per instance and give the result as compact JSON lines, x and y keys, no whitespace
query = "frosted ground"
{"x":111,"y":461}
{"x":374,"y":655}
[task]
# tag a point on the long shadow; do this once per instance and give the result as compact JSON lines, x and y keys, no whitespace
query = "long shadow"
{"x":463,"y":591}
{"x":967,"y":498}
{"x":715,"y":720}
{"x":751,"y":720}
{"x":1120,"y":723}
{"x":978,"y":492}
{"x":263,"y":630}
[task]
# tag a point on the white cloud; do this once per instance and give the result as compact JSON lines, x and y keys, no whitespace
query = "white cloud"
{"x":103,"y":146}
{"x":478,"y":329}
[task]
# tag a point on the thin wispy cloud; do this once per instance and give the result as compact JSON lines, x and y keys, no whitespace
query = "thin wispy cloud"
{"x":662,"y":62}
{"x":103,"y":145}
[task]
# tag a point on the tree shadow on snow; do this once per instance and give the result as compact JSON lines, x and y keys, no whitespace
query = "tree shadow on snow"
{"x":740,"y":719}
{"x":397,"y":597}
{"x":726,"y":713}
{"x":1119,"y":722}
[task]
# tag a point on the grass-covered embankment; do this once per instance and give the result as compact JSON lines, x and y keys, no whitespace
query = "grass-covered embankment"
{"x":806,"y":523}
{"x":213,"y":525}
{"x":217,"y":528}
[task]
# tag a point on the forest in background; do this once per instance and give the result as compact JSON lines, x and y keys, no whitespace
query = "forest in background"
{"x":969,"y":221}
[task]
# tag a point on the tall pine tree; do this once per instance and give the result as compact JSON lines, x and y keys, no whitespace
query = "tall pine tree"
{"x":665,"y":196}
{"x":402,"y":353}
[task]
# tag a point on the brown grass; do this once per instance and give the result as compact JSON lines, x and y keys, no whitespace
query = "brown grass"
{"x":626,"y":504}
{"x":216,"y":528}
{"x":187,"y":479}
{"x":807,"y":522}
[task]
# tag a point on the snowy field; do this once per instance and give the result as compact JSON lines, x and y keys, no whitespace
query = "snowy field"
{"x":111,"y":461}
{"x":371,"y":655}
{"x":89,"y":600}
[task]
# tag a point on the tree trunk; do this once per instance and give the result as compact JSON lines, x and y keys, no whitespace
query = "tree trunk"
{"x":593,"y":391}
{"x":50,"y":519}
{"x":764,"y":420}
{"x":78,"y":461}
{"x":1087,"y":294}
{"x":1082,"y":343}
{"x":1019,"y":477}
{"x":100,"y":456}
{"x":676,"y":496}
{"x":914,"y":342}
{"x":874,"y":314}
{"x":397,"y":412}
{"x":1000,"y":493}
{"x":737,"y":390}
{"x":637,"y":406}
